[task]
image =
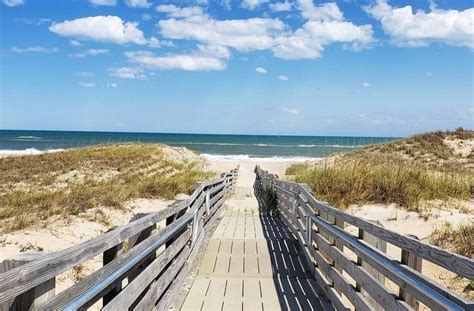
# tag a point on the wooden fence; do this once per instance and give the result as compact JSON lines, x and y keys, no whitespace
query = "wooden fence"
{"x":151,"y":261}
{"x":351,"y":269}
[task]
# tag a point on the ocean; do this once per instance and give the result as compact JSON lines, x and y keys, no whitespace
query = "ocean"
{"x":211,"y":146}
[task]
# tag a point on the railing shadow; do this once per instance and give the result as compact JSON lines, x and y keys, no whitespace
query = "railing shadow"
{"x":295,"y":286}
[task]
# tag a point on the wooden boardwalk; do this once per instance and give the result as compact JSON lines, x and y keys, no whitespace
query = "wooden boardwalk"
{"x":252,"y":262}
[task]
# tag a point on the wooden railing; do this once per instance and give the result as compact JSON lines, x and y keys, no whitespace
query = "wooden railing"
{"x":153,"y":262}
{"x":352,"y":269}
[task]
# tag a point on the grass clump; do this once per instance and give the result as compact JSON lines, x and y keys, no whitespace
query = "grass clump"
{"x":270,"y":199}
{"x":422,"y":167}
{"x":67,"y":183}
{"x":361,"y":182}
{"x":459,"y":240}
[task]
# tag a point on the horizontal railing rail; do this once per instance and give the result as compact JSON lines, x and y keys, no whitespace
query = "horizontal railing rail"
{"x":352,"y":270}
{"x":153,"y":260}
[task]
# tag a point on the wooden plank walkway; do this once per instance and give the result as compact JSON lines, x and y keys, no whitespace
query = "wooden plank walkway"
{"x":252,"y":262}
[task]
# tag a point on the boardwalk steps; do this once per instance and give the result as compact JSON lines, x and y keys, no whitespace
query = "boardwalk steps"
{"x":295,"y":254}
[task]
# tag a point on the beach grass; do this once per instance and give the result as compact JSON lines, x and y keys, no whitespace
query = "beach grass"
{"x":382,"y":174}
{"x":458,"y":239}
{"x":70,"y":182}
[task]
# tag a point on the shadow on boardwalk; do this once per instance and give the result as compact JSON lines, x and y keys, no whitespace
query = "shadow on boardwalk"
{"x":296,"y":288}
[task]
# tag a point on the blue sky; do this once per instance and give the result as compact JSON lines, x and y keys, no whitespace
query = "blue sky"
{"x":388,"y":68}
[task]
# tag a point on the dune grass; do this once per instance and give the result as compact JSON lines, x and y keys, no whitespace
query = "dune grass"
{"x":70,"y":182}
{"x":459,"y":239}
{"x":385,"y":174}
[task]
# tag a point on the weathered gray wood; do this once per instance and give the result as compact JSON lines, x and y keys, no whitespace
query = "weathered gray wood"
{"x":376,"y":290}
{"x":107,"y":257}
{"x":142,"y":251}
{"x":380,"y":244}
{"x":158,"y":286}
{"x":17,"y":281}
{"x":339,"y":282}
{"x":133,"y":290}
{"x":458,"y":264}
{"x":413,"y":261}
{"x":34,"y":297}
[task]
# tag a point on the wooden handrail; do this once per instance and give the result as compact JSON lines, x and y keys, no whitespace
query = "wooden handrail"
{"x":316,"y":224}
{"x":188,"y":217}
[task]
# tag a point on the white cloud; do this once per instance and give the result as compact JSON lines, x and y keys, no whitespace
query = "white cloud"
{"x":90,"y":52}
{"x":323,"y":12}
{"x":252,"y":4}
{"x":282,"y":78}
{"x":260,"y":70}
{"x":291,"y":110}
{"x":429,"y":74}
{"x":101,"y":28}
{"x":112,"y":85}
{"x":127,"y":73}
{"x":365,"y":84}
{"x":325,"y":26}
{"x":280,"y":6}
{"x":87,"y":85}
{"x":177,"y":12}
{"x":241,"y":34}
{"x":12,"y":3}
{"x":190,"y":62}
{"x":421,"y":28}
{"x":146,"y":17}
{"x":138,"y":3}
{"x":33,"y":21}
{"x":85,"y":74}
{"x":103,"y":2}
{"x":34,"y":49}
{"x":75,"y":43}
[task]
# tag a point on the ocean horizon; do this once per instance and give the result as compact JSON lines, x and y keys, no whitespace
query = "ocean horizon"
{"x":212,"y":146}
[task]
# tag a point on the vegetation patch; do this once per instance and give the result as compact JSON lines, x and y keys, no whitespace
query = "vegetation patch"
{"x":459,"y":239}
{"x":386,"y":174}
{"x":36,"y":187}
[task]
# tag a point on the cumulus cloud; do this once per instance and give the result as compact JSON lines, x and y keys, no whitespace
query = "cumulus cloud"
{"x":101,"y":28}
{"x":252,"y":4}
{"x":12,"y":3}
{"x":241,"y":34}
{"x":260,"y":70}
{"x":103,"y":2}
{"x":282,"y":78}
{"x":127,"y":73}
{"x":365,"y":84}
{"x":87,"y":85}
{"x":178,"y":12}
{"x":138,"y":3}
{"x":112,"y":85}
{"x":324,"y":12}
{"x":291,"y":110}
{"x":406,"y":28}
{"x":90,"y":52}
{"x":280,"y":6}
{"x":326,"y":25}
{"x":34,"y":49}
{"x":189,"y":62}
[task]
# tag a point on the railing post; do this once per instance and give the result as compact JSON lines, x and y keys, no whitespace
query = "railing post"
{"x":208,"y":203}
{"x":195,"y":227}
{"x":33,"y":298}
{"x":377,"y":243}
{"x":414,"y":262}
{"x":107,"y":257}
{"x":309,"y":229}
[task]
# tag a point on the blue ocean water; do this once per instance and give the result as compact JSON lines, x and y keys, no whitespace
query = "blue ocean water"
{"x":243,"y":146}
